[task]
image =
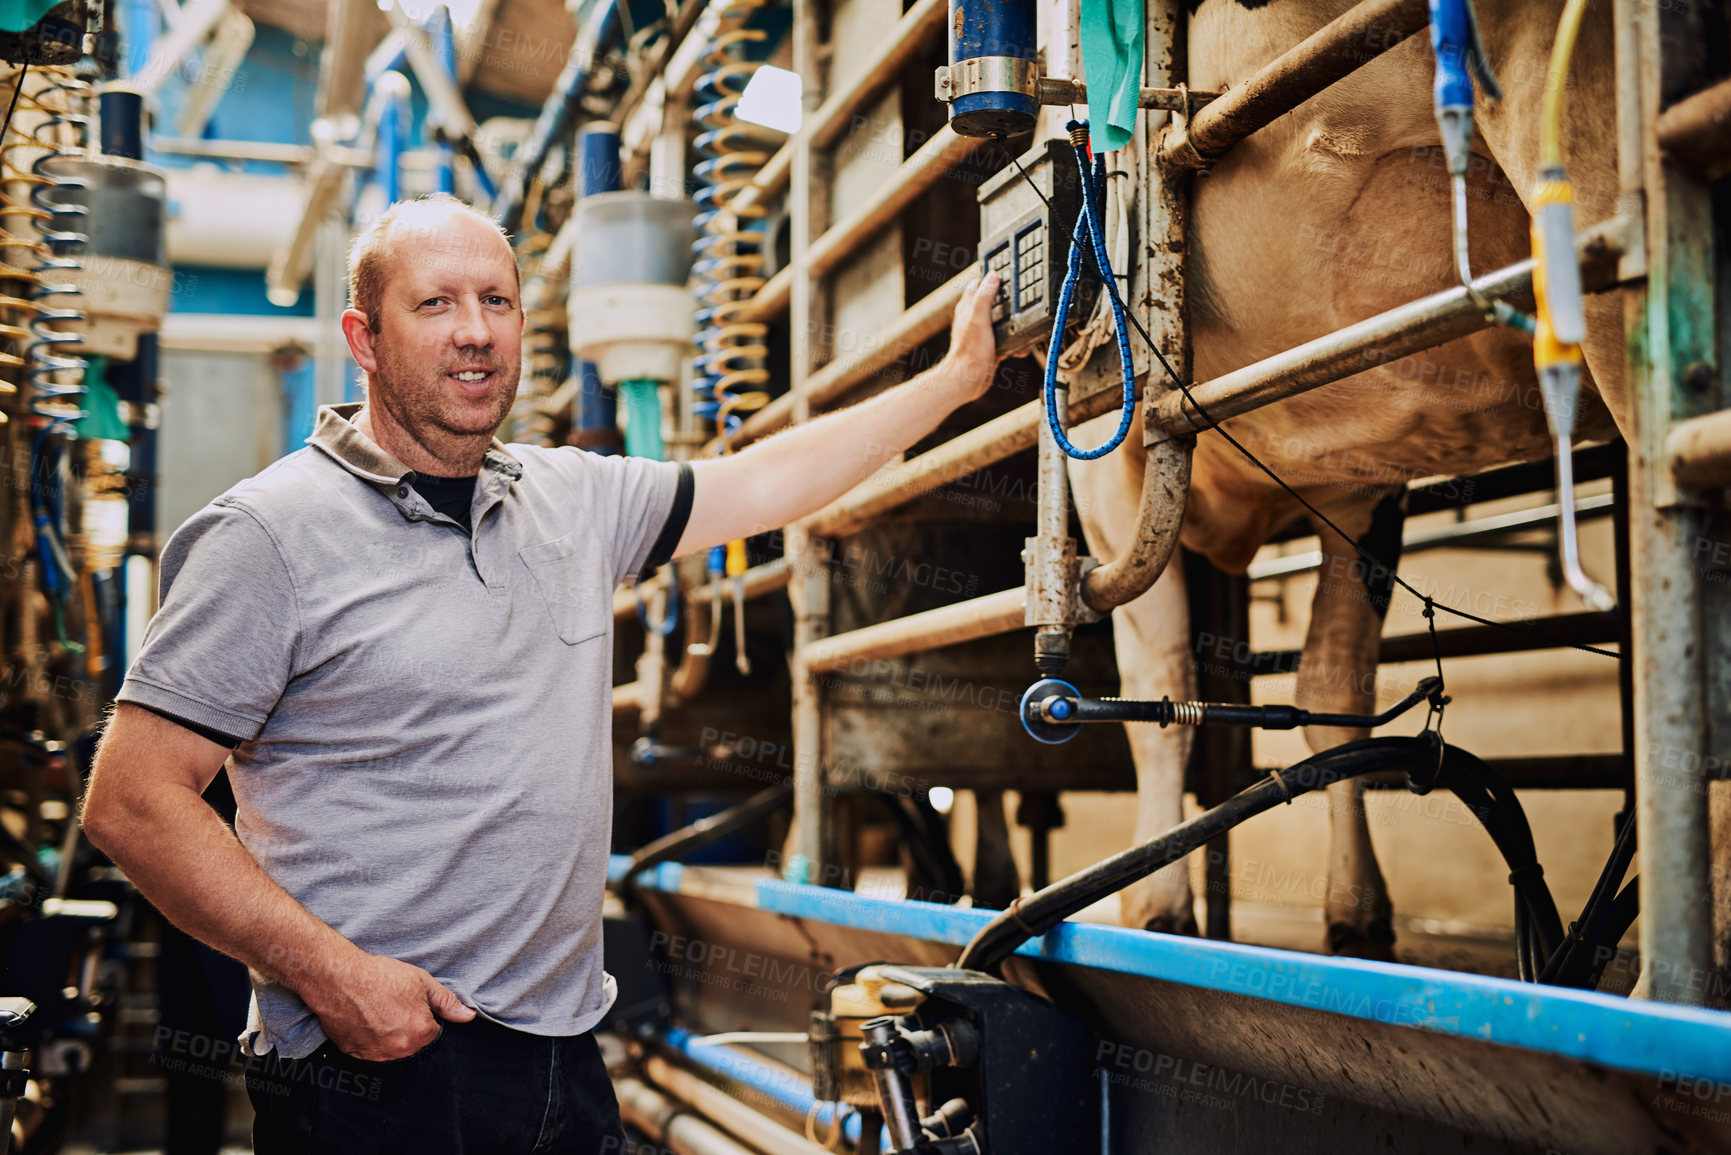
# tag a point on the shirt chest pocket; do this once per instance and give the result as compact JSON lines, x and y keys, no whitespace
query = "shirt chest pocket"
{"x":571,"y":584}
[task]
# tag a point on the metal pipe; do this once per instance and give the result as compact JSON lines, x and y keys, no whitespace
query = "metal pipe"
{"x":1049,"y":557}
{"x":983,"y":617}
{"x":1673,"y":328}
{"x":919,"y":172}
{"x":1699,"y":451}
{"x":926,"y":318}
{"x":917,"y":25}
{"x":983,"y":445}
{"x":1696,"y":132}
{"x":555,"y":120}
{"x":1161,"y":291}
{"x":1400,"y":332}
{"x":666,"y":1122}
{"x":1063,"y":90}
{"x":1336,"y":50}
{"x":759,"y":580}
{"x":749,"y":1125}
{"x":1443,"y":536}
{"x":780,"y":1085}
{"x":1159,"y":517}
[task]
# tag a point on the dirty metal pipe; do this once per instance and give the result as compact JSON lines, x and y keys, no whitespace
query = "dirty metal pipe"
{"x":1159,"y":516}
{"x":1400,"y":332}
{"x":926,"y":318}
{"x":1699,"y":451}
{"x":754,"y":1127}
{"x":759,"y":580}
{"x":919,"y":172}
{"x":984,"y":617}
{"x":967,"y":453}
{"x":667,"y":1122}
{"x":1166,"y":472}
{"x":1697,"y":132}
{"x":1336,"y":50}
{"x":1049,"y":557}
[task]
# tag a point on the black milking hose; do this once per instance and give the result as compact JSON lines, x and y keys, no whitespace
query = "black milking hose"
{"x":1035,"y":915}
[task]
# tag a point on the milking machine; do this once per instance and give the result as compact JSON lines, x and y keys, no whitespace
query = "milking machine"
{"x":1560,"y":324}
{"x":957,"y":1061}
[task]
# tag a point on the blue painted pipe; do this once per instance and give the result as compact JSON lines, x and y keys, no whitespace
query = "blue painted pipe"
{"x":1451,"y":38}
{"x":598,"y":171}
{"x":1454,"y":39}
{"x":444,"y":39}
{"x":138,"y":26}
{"x":992,"y":29}
{"x":388,"y":170}
{"x":764,"y":1077}
{"x":556,"y":114}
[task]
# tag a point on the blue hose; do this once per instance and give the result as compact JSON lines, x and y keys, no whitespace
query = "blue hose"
{"x":1090,"y":232}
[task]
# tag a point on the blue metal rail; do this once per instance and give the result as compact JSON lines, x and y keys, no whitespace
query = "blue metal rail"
{"x":1658,"y":1039}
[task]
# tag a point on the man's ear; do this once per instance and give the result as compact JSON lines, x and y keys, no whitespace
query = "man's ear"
{"x":360,"y":337}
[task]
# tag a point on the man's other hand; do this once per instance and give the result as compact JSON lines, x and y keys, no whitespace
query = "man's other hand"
{"x":385,"y":1009}
{"x":973,"y":356}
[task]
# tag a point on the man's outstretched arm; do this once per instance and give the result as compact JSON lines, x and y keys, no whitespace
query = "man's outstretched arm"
{"x":145,"y":810}
{"x":805,"y":468}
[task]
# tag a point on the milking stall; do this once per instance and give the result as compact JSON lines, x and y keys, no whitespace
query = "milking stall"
{"x":1162,"y":566}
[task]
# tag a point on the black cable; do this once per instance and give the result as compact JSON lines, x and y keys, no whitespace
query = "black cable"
{"x":1573,"y":964}
{"x":7,"y":123}
{"x":705,"y":831}
{"x":1619,"y":917}
{"x":1036,"y":914}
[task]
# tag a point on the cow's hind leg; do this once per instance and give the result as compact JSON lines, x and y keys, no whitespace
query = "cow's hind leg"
{"x":1338,"y":674}
{"x":996,"y":881}
{"x":1152,"y":638}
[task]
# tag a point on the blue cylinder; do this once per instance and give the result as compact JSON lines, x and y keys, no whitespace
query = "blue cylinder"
{"x":596,"y":427}
{"x":597,"y":418}
{"x":598,"y":156}
{"x":994,"y":73}
{"x":121,"y":112}
{"x":1451,"y":38}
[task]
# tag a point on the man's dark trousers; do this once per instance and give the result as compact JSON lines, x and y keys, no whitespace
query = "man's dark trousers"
{"x":478,"y":1089}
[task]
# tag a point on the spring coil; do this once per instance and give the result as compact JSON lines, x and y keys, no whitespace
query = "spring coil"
{"x":728,"y":268}
{"x":57,"y":377}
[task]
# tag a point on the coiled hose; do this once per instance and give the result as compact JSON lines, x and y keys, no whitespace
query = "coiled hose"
{"x":728,"y":268}
{"x":55,"y":376}
{"x":1090,"y":237}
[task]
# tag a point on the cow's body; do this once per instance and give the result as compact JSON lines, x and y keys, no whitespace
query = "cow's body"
{"x":1338,"y":211}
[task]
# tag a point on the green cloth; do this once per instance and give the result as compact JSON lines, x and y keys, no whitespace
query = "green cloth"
{"x":101,"y":420}
{"x":1112,"y":35}
{"x":642,"y":400}
{"x":17,"y":15}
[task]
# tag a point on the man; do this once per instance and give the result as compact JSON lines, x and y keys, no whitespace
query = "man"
{"x":399,"y":638}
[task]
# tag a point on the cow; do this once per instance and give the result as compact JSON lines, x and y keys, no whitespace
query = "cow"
{"x":1335,"y":212}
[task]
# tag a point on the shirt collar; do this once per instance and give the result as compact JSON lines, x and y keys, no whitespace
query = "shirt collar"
{"x":335,"y":433}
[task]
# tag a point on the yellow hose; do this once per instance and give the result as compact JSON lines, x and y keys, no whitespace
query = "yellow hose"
{"x":1551,"y":111}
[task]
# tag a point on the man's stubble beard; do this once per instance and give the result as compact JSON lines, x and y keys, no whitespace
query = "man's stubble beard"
{"x":417,"y":398}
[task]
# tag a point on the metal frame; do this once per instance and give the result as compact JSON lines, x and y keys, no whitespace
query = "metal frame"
{"x":1675,"y":461}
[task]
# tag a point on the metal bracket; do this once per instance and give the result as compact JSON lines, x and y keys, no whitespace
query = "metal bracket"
{"x":1054,"y":585}
{"x":986,"y":74}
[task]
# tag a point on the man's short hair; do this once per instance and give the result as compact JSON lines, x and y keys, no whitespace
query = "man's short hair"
{"x":367,"y":256}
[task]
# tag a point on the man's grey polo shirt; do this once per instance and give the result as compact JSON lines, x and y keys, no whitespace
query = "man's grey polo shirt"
{"x":426,"y":715}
